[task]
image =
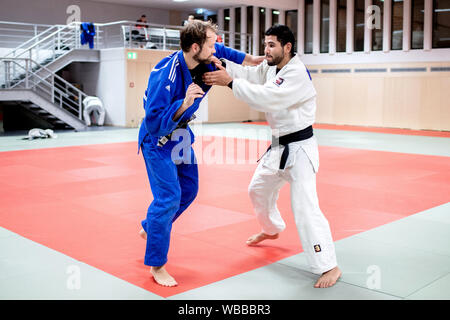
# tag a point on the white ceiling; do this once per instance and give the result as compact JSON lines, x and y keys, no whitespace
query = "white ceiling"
{"x":205,"y":4}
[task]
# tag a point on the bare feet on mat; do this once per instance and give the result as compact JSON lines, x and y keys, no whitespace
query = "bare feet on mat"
{"x":257,"y":238}
{"x":143,"y":234}
{"x":329,"y":278}
{"x":162,"y":277}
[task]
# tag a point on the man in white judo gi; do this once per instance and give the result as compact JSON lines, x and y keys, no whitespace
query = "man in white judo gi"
{"x":281,"y":87}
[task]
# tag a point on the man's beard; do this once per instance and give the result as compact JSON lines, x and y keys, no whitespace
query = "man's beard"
{"x":276,"y":60}
{"x":197,"y":59}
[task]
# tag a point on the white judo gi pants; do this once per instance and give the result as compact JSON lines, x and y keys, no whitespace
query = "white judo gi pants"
{"x":300,"y":171}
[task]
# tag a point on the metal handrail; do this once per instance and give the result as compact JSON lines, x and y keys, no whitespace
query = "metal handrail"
{"x":25,"y":24}
{"x":56,"y":91}
{"x":59,"y":29}
{"x":57,"y":39}
{"x":32,"y":40}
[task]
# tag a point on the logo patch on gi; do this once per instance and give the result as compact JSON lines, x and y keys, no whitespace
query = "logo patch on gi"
{"x":168,"y":88}
{"x":317,"y":248}
{"x":279,"y":81}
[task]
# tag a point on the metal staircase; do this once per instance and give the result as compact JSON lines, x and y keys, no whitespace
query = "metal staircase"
{"x":38,"y":86}
{"x":28,"y":74}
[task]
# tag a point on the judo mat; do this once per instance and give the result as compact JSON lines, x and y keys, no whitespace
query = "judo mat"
{"x":87,"y":202}
{"x":426,"y":133}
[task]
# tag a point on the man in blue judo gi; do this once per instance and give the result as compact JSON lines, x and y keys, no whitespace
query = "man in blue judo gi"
{"x":175,"y":90}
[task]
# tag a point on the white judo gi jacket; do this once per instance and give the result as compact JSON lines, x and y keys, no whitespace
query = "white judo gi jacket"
{"x":288,"y":99}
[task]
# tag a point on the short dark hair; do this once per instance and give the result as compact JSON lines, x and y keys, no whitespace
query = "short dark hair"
{"x":284,"y":35}
{"x":195,"y":32}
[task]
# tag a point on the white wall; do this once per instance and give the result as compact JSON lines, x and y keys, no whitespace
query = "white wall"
{"x":54,"y":12}
{"x":111,"y":85}
{"x":394,"y":56}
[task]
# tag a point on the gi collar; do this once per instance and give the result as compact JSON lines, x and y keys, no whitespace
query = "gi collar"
{"x":187,"y":79}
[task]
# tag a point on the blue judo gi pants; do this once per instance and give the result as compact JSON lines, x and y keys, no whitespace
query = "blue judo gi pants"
{"x":174,"y":187}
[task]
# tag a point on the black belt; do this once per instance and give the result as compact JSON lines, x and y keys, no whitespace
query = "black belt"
{"x":182,"y":125}
{"x":285,"y":140}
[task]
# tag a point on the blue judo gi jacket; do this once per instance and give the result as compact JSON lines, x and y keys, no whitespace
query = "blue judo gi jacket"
{"x":166,"y":90}
{"x":87,"y":34}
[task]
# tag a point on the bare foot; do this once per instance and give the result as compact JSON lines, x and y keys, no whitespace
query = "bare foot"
{"x":143,"y":234}
{"x":257,"y":238}
{"x":162,"y":277}
{"x":329,"y":278}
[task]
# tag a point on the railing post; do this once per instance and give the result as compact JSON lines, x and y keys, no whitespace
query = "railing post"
{"x":7,"y":73}
{"x":53,"y":47}
{"x":36,"y":41}
{"x":53,"y":88}
{"x":14,"y":69}
{"x":26,"y":73}
{"x":77,"y":37}
{"x":80,"y":112}
{"x":164,"y":39}
{"x":59,"y":39}
{"x":97,"y":33}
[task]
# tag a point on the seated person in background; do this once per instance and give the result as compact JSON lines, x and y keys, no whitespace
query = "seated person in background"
{"x":143,"y":19}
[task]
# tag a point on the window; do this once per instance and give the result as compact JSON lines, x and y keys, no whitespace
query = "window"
{"x":262,"y":28}
{"x":377,"y":31}
{"x":308,"y":26}
{"x":226,"y":26}
{"x":291,"y":22}
{"x":324,"y":25}
{"x":250,"y":29}
{"x":441,"y":24}
{"x":417,"y":24}
{"x":237,"y":17}
{"x":359,"y":25}
{"x":250,"y":19}
{"x":341,"y":32}
{"x":275,"y":16}
{"x":237,"y":30}
{"x":397,"y":25}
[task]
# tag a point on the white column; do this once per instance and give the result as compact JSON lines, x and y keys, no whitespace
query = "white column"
{"x":232,"y":27}
{"x":367,"y":30}
{"x":255,"y":30}
{"x":301,"y":27}
{"x":406,"y":25}
{"x":282,"y":17}
{"x":428,"y":25}
{"x":333,"y":27}
{"x":243,"y":28}
{"x":220,"y":19}
{"x":387,"y":34}
{"x":350,"y":34}
{"x":268,"y":18}
{"x":316,"y":27}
